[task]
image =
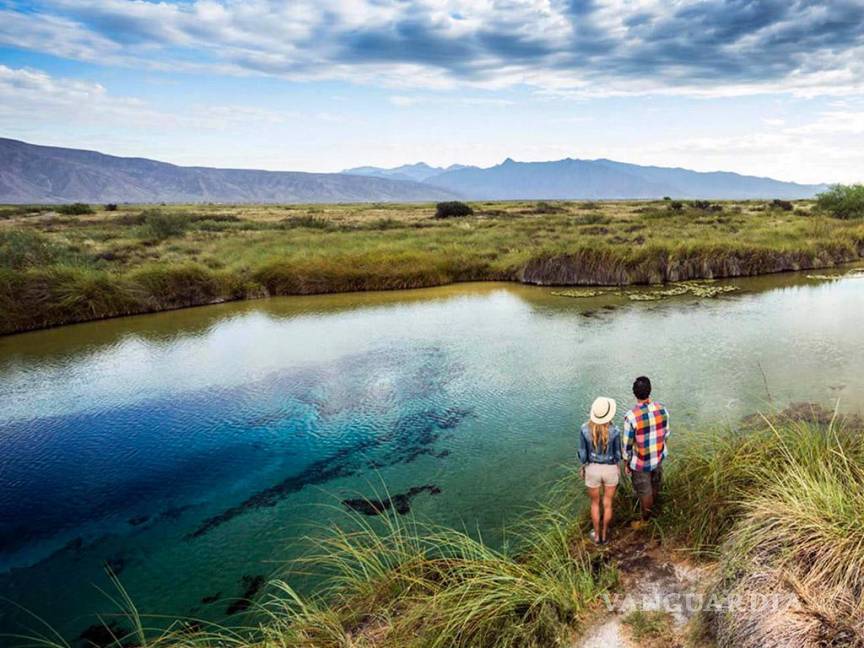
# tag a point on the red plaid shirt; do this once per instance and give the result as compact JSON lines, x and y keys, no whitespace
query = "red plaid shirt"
{"x":646,"y":428}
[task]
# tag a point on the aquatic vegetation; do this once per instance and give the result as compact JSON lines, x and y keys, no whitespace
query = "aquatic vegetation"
{"x":579,"y":293}
{"x":702,"y":290}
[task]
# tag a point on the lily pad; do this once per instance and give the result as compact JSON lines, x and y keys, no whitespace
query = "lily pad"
{"x":579,"y":292}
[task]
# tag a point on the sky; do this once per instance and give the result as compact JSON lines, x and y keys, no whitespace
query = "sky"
{"x":771,"y":88}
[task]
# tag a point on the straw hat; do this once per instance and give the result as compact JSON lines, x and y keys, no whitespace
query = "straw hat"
{"x":603,"y":410}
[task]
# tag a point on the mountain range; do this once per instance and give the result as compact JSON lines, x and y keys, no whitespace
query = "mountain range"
{"x":45,"y":174}
{"x":48,"y":174}
{"x":598,"y":179}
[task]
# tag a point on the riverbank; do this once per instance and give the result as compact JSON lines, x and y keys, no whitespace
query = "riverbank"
{"x":63,"y":268}
{"x":738,"y":557}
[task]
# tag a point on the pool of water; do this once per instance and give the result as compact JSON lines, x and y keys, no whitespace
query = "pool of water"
{"x":191,"y":449}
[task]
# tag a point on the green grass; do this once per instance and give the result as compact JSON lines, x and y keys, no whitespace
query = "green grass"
{"x":650,"y":627}
{"x":253,"y":251}
{"x":776,"y":504}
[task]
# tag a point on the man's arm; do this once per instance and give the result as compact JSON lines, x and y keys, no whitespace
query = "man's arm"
{"x":627,"y":444}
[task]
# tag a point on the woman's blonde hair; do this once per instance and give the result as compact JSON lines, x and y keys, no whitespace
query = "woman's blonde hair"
{"x":599,"y":431}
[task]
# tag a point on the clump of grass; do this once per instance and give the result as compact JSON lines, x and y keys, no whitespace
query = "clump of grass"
{"x":650,"y":627}
{"x":159,"y":225}
{"x":308,"y":221}
{"x":75,"y":209}
{"x":12,"y":211}
{"x":544,"y":207}
{"x":779,"y":501}
{"x":176,"y":286}
{"x":412,"y":583}
{"x":21,"y":249}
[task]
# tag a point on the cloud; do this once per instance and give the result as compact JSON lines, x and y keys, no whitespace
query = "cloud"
{"x":32,"y":95}
{"x":569,"y":47}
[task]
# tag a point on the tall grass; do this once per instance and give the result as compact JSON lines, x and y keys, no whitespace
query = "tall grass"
{"x":777,"y":502}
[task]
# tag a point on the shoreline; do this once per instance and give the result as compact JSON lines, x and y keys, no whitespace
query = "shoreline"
{"x":549,"y":272}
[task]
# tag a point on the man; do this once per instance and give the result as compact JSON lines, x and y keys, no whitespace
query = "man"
{"x":646,"y":429}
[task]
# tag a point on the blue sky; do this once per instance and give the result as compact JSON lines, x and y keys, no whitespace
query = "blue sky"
{"x":770,"y":88}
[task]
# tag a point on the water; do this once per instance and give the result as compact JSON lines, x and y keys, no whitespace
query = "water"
{"x":190,"y":449}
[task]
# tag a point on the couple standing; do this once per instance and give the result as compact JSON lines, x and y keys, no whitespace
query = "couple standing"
{"x":642,"y":446}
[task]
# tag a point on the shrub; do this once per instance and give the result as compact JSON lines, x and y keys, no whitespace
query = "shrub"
{"x":452,"y":209}
{"x":544,"y":207}
{"x":75,"y":209}
{"x":785,"y":205}
{"x":676,"y":205}
{"x":161,"y":225}
{"x":842,"y":201}
{"x":111,"y":207}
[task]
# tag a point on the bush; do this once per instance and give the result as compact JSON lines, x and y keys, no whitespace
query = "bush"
{"x":111,"y":207}
{"x":75,"y":209}
{"x":21,"y":249}
{"x":452,"y":209}
{"x":842,"y":201}
{"x":676,"y":205}
{"x":161,"y":225}
{"x":785,"y":205}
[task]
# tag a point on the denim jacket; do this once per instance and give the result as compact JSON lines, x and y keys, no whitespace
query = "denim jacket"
{"x":589,"y":454}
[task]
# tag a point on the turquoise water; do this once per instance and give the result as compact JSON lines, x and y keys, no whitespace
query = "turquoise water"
{"x":191,"y":449}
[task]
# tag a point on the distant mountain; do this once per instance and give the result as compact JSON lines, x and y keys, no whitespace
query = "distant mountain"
{"x":47,"y":174}
{"x":419,"y":172}
{"x":597,"y":179}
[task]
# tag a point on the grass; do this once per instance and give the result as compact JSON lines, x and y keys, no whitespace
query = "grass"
{"x":253,"y":251}
{"x":776,"y":504}
{"x":650,"y":627}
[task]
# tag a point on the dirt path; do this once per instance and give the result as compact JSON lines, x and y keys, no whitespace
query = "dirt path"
{"x":651,"y":580}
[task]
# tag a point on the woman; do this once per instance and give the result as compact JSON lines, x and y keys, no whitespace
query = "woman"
{"x":599,"y":454}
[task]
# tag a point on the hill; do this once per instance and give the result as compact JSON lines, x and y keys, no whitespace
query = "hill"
{"x":47,"y":174}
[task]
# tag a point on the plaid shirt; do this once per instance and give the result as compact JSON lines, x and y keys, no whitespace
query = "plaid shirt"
{"x":646,"y":428}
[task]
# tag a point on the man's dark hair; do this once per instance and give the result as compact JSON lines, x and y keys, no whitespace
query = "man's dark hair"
{"x":642,"y":387}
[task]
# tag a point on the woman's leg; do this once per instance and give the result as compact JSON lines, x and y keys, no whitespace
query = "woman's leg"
{"x":608,"y":497}
{"x":594,"y":494}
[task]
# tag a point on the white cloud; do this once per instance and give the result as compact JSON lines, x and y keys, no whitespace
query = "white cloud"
{"x":577,"y":49}
{"x":28,"y":95}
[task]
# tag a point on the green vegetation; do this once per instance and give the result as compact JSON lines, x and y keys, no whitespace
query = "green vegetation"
{"x":843,"y":201}
{"x":650,"y":627}
{"x":776,"y":503}
{"x":452,"y":209}
{"x":62,"y":268}
{"x":75,"y":209}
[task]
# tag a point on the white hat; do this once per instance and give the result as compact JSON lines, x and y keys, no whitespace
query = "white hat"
{"x":603,"y":410}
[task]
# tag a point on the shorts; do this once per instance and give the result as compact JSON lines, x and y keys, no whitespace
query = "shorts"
{"x":647,"y":483}
{"x":597,"y":475}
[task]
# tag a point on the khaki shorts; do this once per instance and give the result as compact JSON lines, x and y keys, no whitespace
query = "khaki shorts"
{"x":597,"y":475}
